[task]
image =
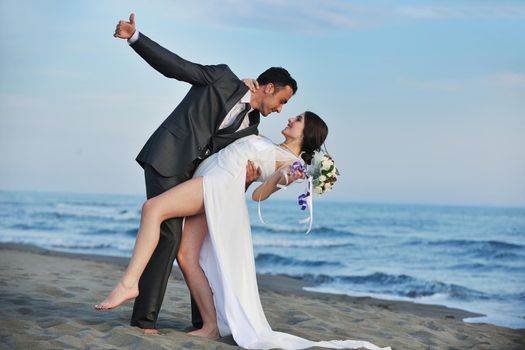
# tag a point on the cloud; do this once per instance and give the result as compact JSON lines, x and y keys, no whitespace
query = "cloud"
{"x":321,"y":16}
{"x":62,"y":73}
{"x":509,"y":79}
{"x":291,"y":15}
{"x":444,"y":85}
{"x":462,"y":12}
{"x":512,"y":80}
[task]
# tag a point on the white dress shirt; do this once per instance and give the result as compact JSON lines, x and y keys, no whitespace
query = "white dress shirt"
{"x":239,"y":107}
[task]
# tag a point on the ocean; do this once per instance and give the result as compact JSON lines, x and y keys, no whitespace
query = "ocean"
{"x":472,"y":258}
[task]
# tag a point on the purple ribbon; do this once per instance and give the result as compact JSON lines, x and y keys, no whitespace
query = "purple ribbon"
{"x":297,"y":166}
{"x":301,"y":200}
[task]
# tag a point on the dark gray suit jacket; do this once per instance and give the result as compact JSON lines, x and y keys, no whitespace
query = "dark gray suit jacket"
{"x":190,"y":131}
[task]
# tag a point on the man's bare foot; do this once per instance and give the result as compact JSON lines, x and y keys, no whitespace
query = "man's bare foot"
{"x":210,"y":333}
{"x":118,"y":295}
{"x":150,"y":331}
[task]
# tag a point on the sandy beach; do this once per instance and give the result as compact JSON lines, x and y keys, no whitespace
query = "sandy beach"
{"x":47,"y":300}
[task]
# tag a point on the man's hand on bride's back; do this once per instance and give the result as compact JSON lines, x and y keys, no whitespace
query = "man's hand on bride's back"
{"x":252,"y":173}
{"x":124,"y":29}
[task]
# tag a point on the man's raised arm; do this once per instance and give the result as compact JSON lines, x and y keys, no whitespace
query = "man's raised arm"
{"x":166,"y":62}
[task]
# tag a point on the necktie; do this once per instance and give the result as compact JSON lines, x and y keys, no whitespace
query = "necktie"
{"x":237,"y":122}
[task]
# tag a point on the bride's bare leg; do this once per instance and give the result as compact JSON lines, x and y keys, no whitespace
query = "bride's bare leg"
{"x":182,"y":200}
{"x":195,"y":230}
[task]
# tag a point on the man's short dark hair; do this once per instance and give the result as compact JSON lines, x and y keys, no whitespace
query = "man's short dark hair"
{"x":279,"y":77}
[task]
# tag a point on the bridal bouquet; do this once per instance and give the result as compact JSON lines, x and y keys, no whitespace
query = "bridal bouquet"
{"x":323,"y":173}
{"x":320,"y":175}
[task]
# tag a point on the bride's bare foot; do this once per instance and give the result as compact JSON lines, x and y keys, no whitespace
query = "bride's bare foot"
{"x":118,"y":295}
{"x":151,"y":331}
{"x":210,"y":333}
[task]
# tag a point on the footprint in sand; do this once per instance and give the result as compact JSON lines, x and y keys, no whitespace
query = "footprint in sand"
{"x":56,"y":292}
{"x":20,"y":301}
{"x":295,"y":317}
{"x":25,"y":311}
{"x":76,"y":289}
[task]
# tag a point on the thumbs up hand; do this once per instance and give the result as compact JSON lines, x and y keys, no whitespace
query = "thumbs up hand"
{"x":125,"y":30}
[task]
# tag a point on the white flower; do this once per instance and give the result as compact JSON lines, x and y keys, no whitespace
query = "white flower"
{"x":322,"y":172}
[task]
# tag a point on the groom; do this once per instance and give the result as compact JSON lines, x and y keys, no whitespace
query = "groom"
{"x":217,"y":110}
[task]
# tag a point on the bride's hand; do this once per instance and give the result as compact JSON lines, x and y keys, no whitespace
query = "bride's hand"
{"x":252,"y":84}
{"x":290,"y":174}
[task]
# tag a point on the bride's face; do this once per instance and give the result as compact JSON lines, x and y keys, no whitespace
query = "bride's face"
{"x":295,"y":127}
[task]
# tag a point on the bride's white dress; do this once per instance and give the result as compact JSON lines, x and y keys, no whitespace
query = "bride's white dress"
{"x":227,"y":252}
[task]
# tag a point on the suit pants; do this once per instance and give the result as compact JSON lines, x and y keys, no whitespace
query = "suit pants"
{"x":153,"y":282}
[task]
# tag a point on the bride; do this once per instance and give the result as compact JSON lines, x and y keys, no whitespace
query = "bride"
{"x":216,"y":251}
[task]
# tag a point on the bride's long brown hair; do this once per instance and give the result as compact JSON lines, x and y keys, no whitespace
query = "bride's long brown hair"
{"x":314,"y":134}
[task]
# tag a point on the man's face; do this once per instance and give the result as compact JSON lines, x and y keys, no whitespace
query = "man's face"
{"x":273,"y":99}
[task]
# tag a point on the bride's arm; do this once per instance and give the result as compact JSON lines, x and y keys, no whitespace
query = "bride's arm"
{"x":269,"y":186}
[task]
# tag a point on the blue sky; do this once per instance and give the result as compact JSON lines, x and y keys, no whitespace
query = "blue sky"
{"x":425,"y":100}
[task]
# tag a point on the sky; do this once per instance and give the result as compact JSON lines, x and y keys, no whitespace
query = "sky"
{"x":425,"y":100}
